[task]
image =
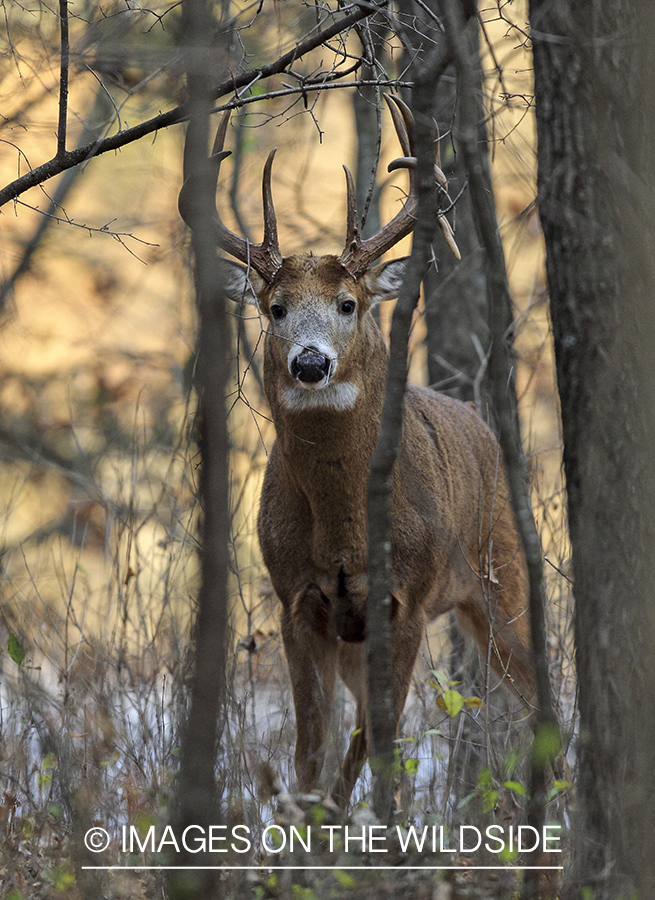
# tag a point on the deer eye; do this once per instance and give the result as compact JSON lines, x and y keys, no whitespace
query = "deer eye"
{"x":347,"y":308}
{"x":277,"y":311}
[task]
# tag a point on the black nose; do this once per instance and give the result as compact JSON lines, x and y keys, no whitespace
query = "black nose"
{"x":311,"y":366}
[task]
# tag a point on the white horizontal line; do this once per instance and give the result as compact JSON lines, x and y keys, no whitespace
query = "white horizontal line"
{"x":326,"y":868}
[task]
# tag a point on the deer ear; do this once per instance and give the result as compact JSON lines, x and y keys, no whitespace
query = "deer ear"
{"x":240,"y":284}
{"x":383,"y":281}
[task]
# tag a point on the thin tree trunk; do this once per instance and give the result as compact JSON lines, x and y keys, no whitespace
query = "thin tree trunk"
{"x":368,"y":126}
{"x":378,"y":641}
{"x":457,"y":341}
{"x":501,"y":378}
{"x":456,"y":295}
{"x":197,"y":801}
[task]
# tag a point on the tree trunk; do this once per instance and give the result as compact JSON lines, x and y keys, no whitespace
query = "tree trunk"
{"x":197,"y":800}
{"x":379,"y":603}
{"x":456,"y":295}
{"x":596,"y":126}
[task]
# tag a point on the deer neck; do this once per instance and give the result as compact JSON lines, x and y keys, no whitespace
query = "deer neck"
{"x":326,"y":450}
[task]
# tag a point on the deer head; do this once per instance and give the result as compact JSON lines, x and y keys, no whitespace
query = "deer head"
{"x":316,"y":305}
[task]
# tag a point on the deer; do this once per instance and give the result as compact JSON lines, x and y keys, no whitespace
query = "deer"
{"x":454,"y":540}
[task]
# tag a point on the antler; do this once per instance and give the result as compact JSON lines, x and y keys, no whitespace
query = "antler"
{"x":265,"y":258}
{"x":358,"y":254}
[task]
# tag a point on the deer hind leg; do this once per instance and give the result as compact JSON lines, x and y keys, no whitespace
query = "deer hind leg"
{"x":310,"y":645}
{"x":497,"y":616}
{"x":406,"y":639}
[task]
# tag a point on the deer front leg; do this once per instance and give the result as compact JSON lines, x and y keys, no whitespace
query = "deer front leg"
{"x":310,"y":644}
{"x":352,"y":668}
{"x":406,"y":637}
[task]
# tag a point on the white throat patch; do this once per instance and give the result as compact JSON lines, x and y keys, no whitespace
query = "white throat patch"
{"x":337,"y":396}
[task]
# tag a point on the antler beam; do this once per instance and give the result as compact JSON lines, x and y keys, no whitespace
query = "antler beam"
{"x":358,"y":254}
{"x":265,"y":258}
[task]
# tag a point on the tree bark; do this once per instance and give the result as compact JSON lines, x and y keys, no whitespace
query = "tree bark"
{"x":595,"y":102}
{"x":378,"y":640}
{"x":504,"y":408}
{"x":197,"y":800}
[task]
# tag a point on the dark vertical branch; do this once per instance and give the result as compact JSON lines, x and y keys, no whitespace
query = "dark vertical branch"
{"x":197,"y":801}
{"x":456,"y":298}
{"x":457,"y":339}
{"x":368,"y":126}
{"x":378,"y":641}
{"x":63,"y":77}
{"x":501,"y":375}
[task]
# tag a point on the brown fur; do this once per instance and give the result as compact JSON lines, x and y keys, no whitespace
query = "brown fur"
{"x":454,"y":539}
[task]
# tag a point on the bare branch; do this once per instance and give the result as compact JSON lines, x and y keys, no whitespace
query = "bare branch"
{"x":63,"y":77}
{"x":179,"y":114}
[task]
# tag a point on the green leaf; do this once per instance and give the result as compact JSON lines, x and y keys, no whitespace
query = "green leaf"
{"x":15,"y":650}
{"x":508,"y":856}
{"x":510,"y":763}
{"x":559,"y":787}
{"x":489,"y":801}
{"x":63,"y":877}
{"x":515,"y":786}
{"x":452,"y":702}
{"x":411,"y":766}
{"x":49,"y":762}
{"x":344,"y":879}
{"x":547,"y":744}
{"x":465,"y":801}
{"x":485,"y":780}
{"x":473,"y":702}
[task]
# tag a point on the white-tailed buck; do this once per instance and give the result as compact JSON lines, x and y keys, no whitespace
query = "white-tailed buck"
{"x":454,"y":539}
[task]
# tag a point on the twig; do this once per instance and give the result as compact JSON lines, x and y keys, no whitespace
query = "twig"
{"x":179,"y":114}
{"x":313,"y":86}
{"x":558,"y":570}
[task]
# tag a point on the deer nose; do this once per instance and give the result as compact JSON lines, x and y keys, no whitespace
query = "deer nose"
{"x":311,"y":366}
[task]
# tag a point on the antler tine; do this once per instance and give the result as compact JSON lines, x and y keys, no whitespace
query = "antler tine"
{"x":270,"y":246}
{"x":403,"y":121}
{"x":358,"y":254}
{"x":352,"y":226}
{"x":265,"y":258}
{"x":221,"y":131}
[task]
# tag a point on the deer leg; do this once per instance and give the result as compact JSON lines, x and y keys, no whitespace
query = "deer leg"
{"x":501,"y":630}
{"x":352,"y":668}
{"x":405,"y":642}
{"x":311,"y":650}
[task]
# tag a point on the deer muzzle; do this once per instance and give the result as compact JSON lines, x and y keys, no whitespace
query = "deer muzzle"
{"x":311,"y":366}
